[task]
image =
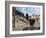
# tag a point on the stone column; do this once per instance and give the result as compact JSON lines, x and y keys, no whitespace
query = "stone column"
{"x":13,"y":18}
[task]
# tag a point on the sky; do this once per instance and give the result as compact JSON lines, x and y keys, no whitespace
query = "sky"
{"x":29,"y":10}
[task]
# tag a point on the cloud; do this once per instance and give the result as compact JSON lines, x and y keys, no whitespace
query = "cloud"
{"x":29,"y":10}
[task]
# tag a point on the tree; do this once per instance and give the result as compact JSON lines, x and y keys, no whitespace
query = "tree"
{"x":27,"y":16}
{"x":31,"y":21}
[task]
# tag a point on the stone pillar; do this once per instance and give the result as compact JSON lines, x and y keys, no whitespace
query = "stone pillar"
{"x":13,"y":18}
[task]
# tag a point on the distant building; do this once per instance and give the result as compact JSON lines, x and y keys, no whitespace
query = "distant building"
{"x":36,"y":17}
